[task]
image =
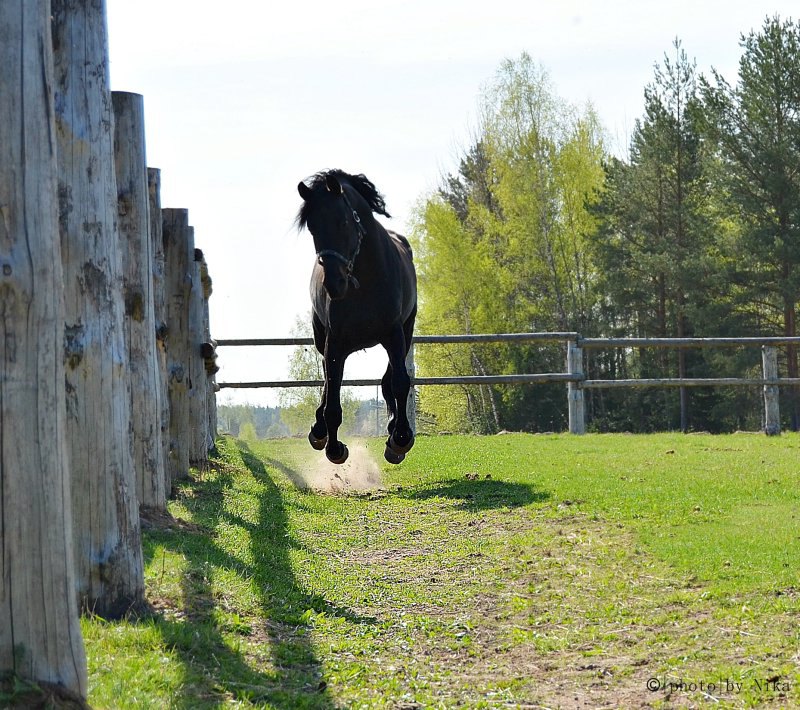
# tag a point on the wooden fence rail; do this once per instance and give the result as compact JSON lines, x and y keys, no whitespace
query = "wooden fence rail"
{"x":574,"y":377}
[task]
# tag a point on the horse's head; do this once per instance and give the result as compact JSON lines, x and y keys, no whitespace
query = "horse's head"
{"x":335,"y":209}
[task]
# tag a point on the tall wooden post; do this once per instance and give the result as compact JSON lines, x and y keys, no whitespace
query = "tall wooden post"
{"x":208,"y":352}
{"x":160,"y":309}
{"x":178,"y":285}
{"x":198,"y":379}
{"x":137,"y":271}
{"x":107,"y":534}
{"x":40,"y":634}
{"x":772,"y":414}
{"x":577,"y":412}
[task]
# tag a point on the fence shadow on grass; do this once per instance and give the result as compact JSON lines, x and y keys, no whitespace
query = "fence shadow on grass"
{"x":480,"y":493}
{"x":214,"y":669}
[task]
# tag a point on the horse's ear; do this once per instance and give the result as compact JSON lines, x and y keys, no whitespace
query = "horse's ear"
{"x":333,"y":185}
{"x":304,"y":190}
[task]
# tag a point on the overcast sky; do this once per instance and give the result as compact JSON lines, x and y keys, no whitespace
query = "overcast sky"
{"x":245,"y":98}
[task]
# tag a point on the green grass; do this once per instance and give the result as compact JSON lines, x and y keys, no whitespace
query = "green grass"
{"x":487,"y":572}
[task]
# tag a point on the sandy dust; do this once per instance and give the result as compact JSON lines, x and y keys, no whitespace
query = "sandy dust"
{"x":361,"y":472}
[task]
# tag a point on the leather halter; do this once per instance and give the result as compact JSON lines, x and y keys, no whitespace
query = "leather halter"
{"x":350,"y":263}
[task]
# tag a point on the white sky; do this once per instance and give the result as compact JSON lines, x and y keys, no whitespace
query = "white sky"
{"x":243,"y":99}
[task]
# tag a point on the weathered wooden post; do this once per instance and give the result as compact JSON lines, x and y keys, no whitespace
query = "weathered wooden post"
{"x":577,"y":411}
{"x":40,"y":634}
{"x":159,"y":309}
{"x":198,"y":380}
{"x":178,"y":284}
{"x":137,"y":280}
{"x":772,"y":414}
{"x":208,"y":351}
{"x":106,"y":517}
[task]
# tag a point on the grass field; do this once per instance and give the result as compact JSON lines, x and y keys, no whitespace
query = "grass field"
{"x":509,"y":571}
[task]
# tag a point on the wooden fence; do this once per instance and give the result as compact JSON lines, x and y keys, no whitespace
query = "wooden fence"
{"x":103,"y":319}
{"x":574,"y":376}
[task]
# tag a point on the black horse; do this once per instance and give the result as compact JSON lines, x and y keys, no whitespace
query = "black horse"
{"x":363,"y":293}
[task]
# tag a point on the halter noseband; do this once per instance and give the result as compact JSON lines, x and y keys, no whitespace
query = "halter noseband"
{"x":362,"y":232}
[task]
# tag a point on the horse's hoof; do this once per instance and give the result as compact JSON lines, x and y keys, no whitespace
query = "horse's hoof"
{"x":393,"y":456}
{"x":403,"y":449}
{"x":318,"y":444}
{"x":342,"y":458}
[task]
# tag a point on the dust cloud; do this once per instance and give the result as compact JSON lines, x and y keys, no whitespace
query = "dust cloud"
{"x":361,"y":472}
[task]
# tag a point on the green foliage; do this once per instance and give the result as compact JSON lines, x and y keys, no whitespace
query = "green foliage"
{"x":261,"y":422}
{"x":503,"y":247}
{"x":299,"y":404}
{"x":546,"y":158}
{"x":247,"y":433}
{"x":696,"y":232}
{"x":756,"y":127}
{"x":656,"y":248}
{"x":658,"y":252}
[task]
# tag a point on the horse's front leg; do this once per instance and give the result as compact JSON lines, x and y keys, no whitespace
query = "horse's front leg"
{"x":335,"y":450}
{"x":318,"y":436}
{"x":401,"y":436}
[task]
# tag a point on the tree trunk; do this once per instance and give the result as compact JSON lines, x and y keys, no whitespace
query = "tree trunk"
{"x":160,"y":309}
{"x":107,"y":535}
{"x":178,"y":285}
{"x":40,"y":635}
{"x":137,"y":272}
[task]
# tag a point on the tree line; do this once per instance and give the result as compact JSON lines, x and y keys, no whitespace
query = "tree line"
{"x":250,"y":422}
{"x":694,"y":232}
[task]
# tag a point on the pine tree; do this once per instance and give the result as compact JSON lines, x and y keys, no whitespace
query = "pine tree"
{"x":756,"y":124}
{"x":657,"y":238}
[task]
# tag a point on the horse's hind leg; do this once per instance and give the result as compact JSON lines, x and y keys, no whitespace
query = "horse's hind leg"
{"x":388,"y":397}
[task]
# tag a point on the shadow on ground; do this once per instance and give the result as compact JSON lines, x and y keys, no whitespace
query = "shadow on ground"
{"x":215,"y":668}
{"x":480,"y":494}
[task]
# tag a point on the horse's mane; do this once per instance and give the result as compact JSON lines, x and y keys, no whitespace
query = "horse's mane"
{"x":360,"y":183}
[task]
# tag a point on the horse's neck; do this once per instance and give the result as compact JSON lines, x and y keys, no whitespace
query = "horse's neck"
{"x":375,"y":248}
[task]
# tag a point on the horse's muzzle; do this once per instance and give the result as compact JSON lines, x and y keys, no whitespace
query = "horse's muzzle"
{"x":336,"y":292}
{"x":334,"y":281}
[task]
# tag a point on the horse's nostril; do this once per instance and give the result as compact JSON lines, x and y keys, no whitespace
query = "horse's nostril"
{"x":336,"y":295}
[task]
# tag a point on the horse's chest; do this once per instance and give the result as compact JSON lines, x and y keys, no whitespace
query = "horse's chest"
{"x":363,"y":324}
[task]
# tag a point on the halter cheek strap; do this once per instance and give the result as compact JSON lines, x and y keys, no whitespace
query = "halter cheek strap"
{"x":349,"y":263}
